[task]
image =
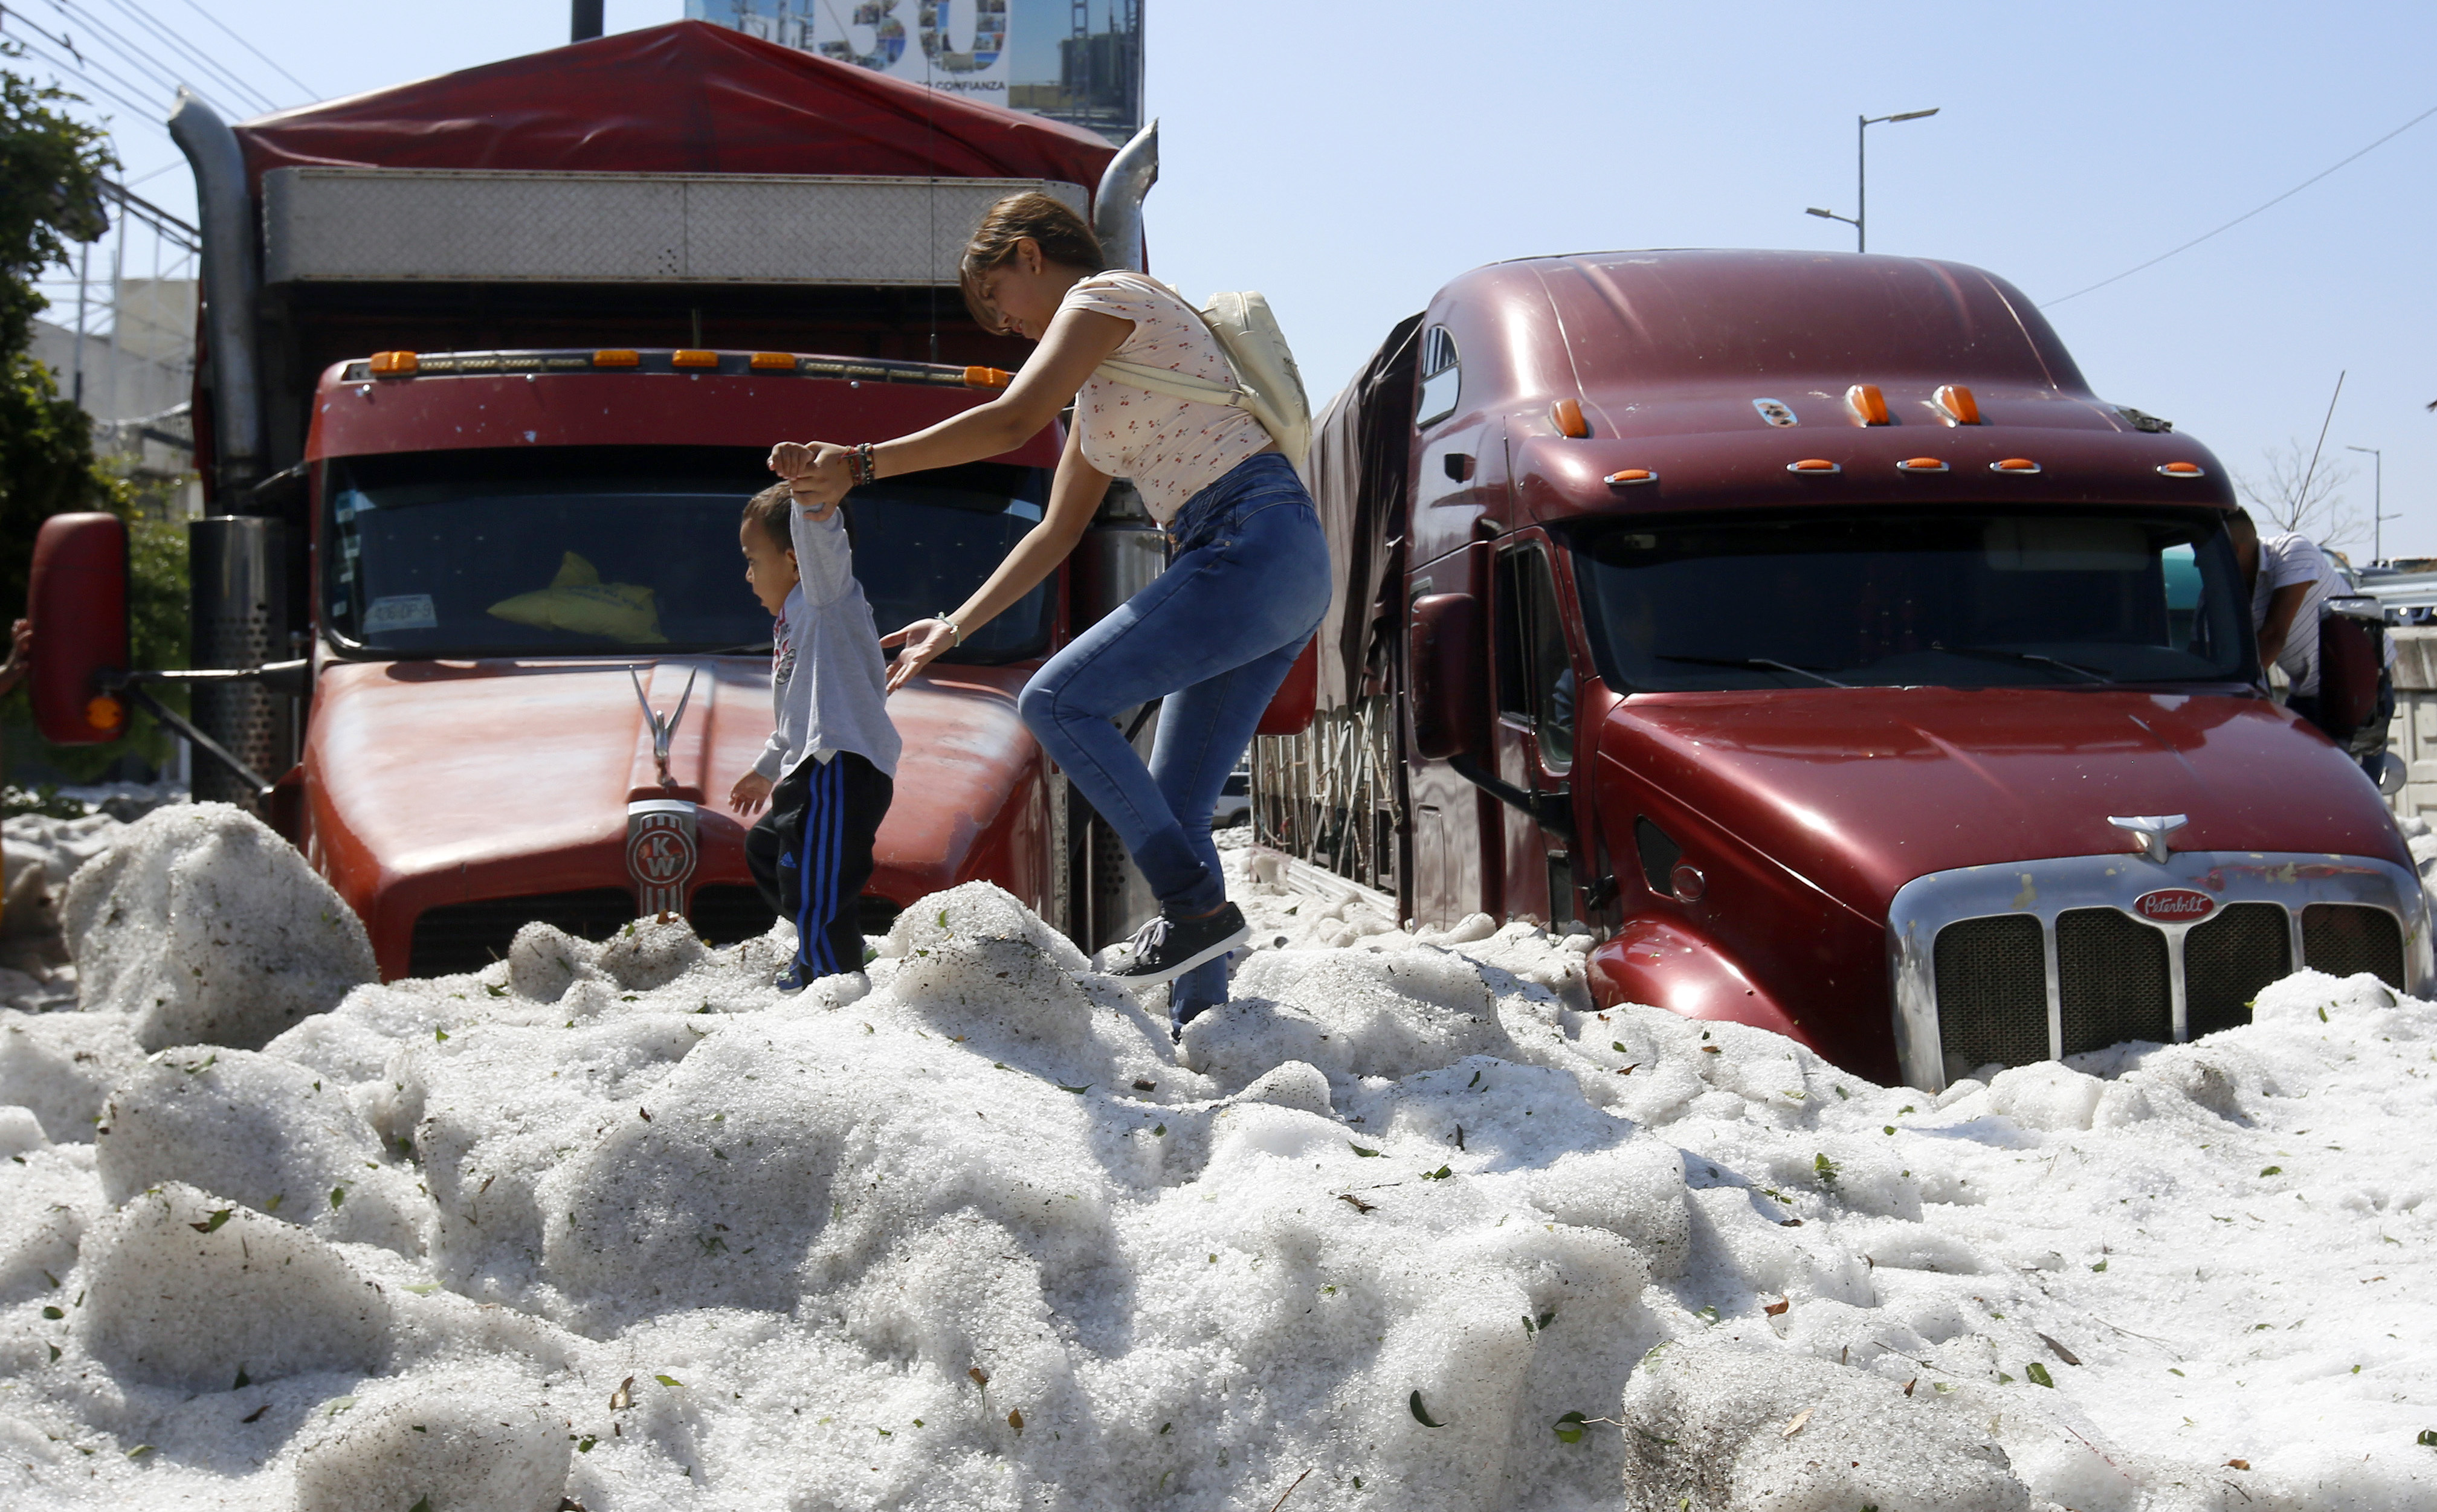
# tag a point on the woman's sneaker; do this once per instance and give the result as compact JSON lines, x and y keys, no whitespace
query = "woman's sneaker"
{"x":1166,"y":949}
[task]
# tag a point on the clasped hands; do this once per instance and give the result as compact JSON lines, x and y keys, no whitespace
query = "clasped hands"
{"x":817,"y":473}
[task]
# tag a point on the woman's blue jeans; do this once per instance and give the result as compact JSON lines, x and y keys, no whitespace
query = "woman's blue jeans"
{"x":1214,"y":636}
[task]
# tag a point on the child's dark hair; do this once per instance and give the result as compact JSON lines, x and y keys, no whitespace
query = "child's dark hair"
{"x":768,"y":509}
{"x":1060,"y":233}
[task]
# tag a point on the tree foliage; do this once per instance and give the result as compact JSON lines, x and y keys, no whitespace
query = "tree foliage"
{"x":52,"y":168}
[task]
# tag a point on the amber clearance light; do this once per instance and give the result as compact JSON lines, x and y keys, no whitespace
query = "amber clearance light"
{"x":1814,"y":464}
{"x":104,"y":712}
{"x":2183,"y":470}
{"x":986,"y":378}
{"x":1631,"y":475}
{"x":394,"y":364}
{"x":774,"y":362}
{"x":690,"y":358}
{"x":1567,"y":415}
{"x":616,"y":358}
{"x":1921,"y":465}
{"x":1869,"y":406}
{"x":2014,"y":464}
{"x":1958,"y":404}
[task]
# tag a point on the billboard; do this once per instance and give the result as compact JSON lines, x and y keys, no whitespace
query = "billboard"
{"x":1074,"y":61}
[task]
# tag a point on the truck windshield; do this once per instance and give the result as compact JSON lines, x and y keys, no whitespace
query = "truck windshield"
{"x":542,"y":553}
{"x":1902,"y":600}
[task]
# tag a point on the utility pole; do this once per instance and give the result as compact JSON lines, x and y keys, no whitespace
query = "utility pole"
{"x":586,"y":22}
{"x":2377,"y":515}
{"x":1860,"y":218}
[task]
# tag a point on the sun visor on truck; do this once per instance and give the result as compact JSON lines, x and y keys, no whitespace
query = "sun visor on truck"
{"x":398,"y":226}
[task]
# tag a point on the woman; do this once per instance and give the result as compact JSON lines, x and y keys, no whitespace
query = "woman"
{"x":1246,"y":584}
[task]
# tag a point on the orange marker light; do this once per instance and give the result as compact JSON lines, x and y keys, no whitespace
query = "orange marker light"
{"x":1567,"y":415}
{"x":1814,"y":464}
{"x":1868,"y":406}
{"x":774,"y":362}
{"x":616,"y":358}
{"x":2183,"y":470}
{"x":2014,"y":464}
{"x":986,"y":378}
{"x":104,"y":712}
{"x":1630,"y":477}
{"x":688,"y":357}
{"x":394,"y":364}
{"x":1921,"y":465}
{"x":1957,"y":402}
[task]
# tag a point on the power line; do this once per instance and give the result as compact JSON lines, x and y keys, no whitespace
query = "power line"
{"x":84,"y":67}
{"x":141,"y":112}
{"x":2248,"y":213}
{"x":310,"y":93}
{"x":109,"y":39}
{"x":201,"y":58}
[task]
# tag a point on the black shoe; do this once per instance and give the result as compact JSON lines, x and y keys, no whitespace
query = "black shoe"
{"x":1166,"y":949}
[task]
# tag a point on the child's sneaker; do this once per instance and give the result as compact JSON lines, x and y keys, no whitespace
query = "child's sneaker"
{"x":792,"y":979}
{"x":1166,"y":949}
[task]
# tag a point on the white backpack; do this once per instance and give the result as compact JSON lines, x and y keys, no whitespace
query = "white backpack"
{"x":1267,"y":384}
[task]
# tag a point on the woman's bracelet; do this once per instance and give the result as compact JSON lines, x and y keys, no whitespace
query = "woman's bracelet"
{"x":859,"y":464}
{"x":955,"y":631}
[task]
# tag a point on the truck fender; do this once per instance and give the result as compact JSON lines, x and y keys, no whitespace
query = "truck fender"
{"x":1665,"y":965}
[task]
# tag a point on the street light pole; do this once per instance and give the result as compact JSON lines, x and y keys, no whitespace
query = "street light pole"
{"x":1860,"y":218}
{"x":2377,"y":515}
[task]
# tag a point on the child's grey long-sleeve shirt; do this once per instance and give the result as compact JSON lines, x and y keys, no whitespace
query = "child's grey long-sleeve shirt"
{"x":786,"y":737}
{"x":837,"y":695}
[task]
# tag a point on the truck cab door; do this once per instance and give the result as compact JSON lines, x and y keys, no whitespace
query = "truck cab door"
{"x":1535,"y":687}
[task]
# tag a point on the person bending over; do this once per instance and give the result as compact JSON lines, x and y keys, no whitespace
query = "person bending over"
{"x":1246,"y":585}
{"x":2290,"y":579}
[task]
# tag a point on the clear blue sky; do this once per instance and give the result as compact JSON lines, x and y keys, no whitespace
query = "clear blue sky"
{"x":1347,"y":159}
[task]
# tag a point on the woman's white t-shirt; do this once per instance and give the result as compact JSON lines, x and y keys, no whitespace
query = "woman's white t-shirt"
{"x":1172,"y":449}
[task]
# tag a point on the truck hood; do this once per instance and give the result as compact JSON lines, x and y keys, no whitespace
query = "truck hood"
{"x":1861,"y":790}
{"x":443,"y":782}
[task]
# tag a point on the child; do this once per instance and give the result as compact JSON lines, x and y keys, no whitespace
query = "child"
{"x":828,"y":772}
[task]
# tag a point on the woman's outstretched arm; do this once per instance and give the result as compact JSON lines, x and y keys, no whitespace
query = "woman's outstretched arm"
{"x":1073,"y":499}
{"x":1076,"y":342}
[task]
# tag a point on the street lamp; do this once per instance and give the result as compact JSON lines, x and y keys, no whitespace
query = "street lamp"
{"x":2377,"y":518}
{"x":1860,"y":218}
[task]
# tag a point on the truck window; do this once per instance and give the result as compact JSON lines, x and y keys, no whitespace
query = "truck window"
{"x":569,"y":551}
{"x":1897,"y":599}
{"x":1535,"y":676}
{"x":1442,"y":377}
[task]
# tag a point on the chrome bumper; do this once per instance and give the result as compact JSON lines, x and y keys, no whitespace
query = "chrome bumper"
{"x":2044,"y":888}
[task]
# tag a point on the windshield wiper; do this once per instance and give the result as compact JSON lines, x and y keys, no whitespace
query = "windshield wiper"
{"x":1997,"y":654}
{"x":1757,"y":663}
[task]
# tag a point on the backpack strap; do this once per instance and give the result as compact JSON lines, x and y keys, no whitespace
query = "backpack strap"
{"x":1174,"y":384}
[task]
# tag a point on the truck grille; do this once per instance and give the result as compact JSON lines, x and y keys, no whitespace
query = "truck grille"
{"x":2342,"y":938}
{"x":2227,"y":960}
{"x":1992,"y":1000}
{"x":2112,"y":981}
{"x":2115,"y":975}
{"x":470,"y":936}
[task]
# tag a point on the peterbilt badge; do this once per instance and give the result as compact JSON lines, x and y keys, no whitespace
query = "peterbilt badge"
{"x":660,"y":854}
{"x":2174,"y":905}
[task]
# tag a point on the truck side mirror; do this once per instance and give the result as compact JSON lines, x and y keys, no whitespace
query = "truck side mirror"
{"x":2351,"y":655}
{"x":78,"y":601}
{"x":1443,"y":675}
{"x":1292,"y":708}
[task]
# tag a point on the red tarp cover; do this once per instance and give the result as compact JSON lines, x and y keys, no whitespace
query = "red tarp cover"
{"x":686,"y":97}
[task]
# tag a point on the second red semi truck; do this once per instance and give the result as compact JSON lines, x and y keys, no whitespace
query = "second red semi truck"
{"x":1805,"y":627}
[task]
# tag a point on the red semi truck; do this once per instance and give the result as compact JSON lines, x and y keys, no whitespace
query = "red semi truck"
{"x":491,"y":362}
{"x":1803,"y":626}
